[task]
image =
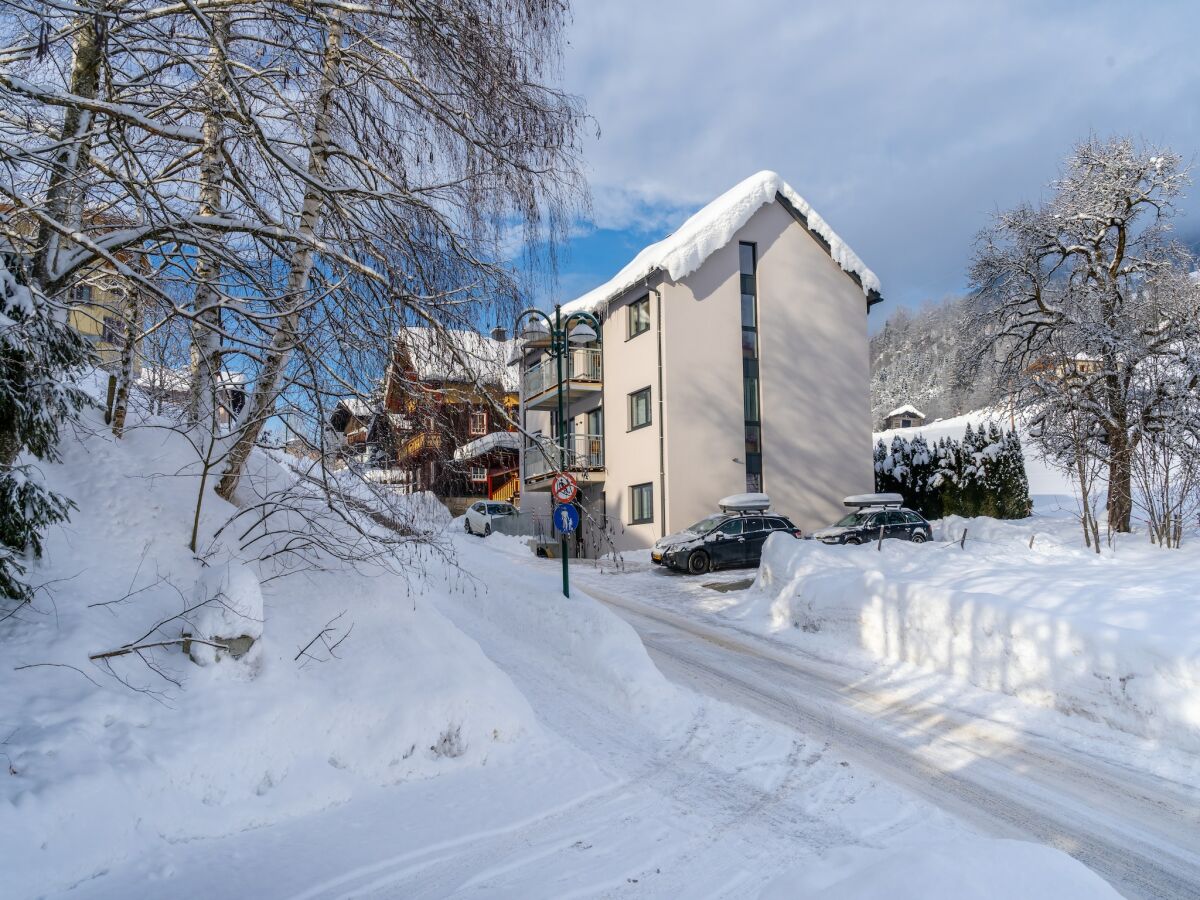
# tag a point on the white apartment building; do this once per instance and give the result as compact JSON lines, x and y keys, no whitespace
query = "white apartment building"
{"x":733,"y":357}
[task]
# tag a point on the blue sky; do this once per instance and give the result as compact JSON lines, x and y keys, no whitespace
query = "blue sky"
{"x":905,"y":125}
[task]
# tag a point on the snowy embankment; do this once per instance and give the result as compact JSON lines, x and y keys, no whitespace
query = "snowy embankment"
{"x":107,"y":757}
{"x":1113,"y":638}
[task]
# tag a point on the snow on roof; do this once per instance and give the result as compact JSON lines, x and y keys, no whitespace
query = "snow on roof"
{"x":497,"y":440}
{"x":356,"y":406}
{"x":163,"y":378}
{"x":710,"y":229}
{"x":906,"y":410}
{"x":432,"y":353}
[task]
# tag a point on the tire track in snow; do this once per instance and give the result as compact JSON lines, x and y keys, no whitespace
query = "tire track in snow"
{"x":1142,"y":837}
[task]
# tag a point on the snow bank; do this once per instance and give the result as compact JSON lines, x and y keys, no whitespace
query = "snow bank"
{"x":710,"y":229}
{"x":107,"y":758}
{"x":1113,"y":638}
{"x":966,"y":869}
{"x":519,"y":596}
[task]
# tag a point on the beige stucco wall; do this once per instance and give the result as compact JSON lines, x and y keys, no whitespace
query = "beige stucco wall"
{"x":632,"y":457}
{"x":815,"y":379}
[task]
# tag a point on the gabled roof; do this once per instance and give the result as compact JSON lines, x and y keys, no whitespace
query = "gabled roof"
{"x":906,"y":410}
{"x":452,"y":355}
{"x":357,"y":407}
{"x":712,"y":227}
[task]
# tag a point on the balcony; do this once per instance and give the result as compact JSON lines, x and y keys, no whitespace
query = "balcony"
{"x":421,"y":444}
{"x":582,"y":374}
{"x":584,"y":460}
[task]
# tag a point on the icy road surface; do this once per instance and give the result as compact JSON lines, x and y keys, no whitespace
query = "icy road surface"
{"x":1140,"y":832}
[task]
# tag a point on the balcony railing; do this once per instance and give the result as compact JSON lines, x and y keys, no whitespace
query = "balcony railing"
{"x":581,"y":366}
{"x":585,"y":453}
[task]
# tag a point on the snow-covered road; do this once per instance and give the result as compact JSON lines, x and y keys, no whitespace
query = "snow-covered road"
{"x":1141,"y":832}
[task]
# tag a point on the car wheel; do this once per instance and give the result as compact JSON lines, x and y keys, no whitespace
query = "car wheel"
{"x":852,"y":540}
{"x":699,"y":563}
{"x":487,"y":529}
{"x":919,"y":537}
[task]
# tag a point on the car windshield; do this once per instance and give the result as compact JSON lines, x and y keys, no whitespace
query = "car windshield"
{"x":854,"y":518}
{"x":704,"y":526}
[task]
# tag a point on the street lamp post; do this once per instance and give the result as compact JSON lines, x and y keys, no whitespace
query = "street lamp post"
{"x":580,"y":328}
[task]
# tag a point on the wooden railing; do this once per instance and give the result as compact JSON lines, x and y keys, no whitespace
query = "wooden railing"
{"x":508,"y":491}
{"x":421,"y":442}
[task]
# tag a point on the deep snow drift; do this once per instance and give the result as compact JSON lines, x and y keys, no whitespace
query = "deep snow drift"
{"x":1113,"y":638}
{"x":293,"y":774}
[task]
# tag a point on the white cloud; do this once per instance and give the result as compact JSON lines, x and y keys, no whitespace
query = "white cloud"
{"x":905,"y":125}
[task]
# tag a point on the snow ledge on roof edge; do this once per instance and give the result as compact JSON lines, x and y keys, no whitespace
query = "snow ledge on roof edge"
{"x":711,"y":228}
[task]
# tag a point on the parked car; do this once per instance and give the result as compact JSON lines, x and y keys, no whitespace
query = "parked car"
{"x":732,"y":537}
{"x":871,"y":513}
{"x":481,"y":515}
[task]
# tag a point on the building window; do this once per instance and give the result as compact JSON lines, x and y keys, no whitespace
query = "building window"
{"x":639,"y":409}
{"x":83,"y":294}
{"x":478,"y":473}
{"x":478,"y":422}
{"x":641,"y":502}
{"x":906,"y":423}
{"x":112,"y":330}
{"x":639,"y":316}
{"x":751,"y":392}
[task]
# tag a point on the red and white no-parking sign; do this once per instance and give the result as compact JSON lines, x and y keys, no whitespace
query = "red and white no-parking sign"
{"x":564,"y":488}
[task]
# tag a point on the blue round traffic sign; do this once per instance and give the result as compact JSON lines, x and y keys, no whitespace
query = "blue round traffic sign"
{"x":566,"y":518}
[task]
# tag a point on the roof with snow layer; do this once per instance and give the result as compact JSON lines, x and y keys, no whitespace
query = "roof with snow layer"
{"x":458,"y":356}
{"x":712,"y":227}
{"x":906,"y":410}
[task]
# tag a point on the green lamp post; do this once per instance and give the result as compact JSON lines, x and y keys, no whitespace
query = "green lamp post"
{"x":557,"y":334}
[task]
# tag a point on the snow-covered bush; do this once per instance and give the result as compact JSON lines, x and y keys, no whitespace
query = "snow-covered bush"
{"x":983,"y":475}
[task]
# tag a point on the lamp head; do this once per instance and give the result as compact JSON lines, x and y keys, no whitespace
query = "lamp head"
{"x":534,"y":332}
{"x":582,"y":333}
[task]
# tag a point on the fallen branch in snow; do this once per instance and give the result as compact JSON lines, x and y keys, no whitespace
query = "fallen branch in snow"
{"x":57,"y":666}
{"x":323,"y":636}
{"x":962,"y":545}
{"x":173,"y":642}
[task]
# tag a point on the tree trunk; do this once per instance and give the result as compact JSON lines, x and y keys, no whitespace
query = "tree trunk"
{"x":283,"y":342}
{"x":1120,"y":481}
{"x":64,"y":192}
{"x":205,"y":364}
{"x":133,"y":328}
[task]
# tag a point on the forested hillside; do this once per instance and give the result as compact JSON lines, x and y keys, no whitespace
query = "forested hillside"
{"x":926,"y":358}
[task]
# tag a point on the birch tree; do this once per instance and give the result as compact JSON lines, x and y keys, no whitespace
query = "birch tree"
{"x":297,"y":178}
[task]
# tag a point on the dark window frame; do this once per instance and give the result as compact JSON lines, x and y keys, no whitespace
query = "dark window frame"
{"x":648,"y":487}
{"x":631,"y":321}
{"x":751,"y":374}
{"x":649,"y":408}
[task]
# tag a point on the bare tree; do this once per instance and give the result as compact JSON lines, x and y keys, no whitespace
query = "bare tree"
{"x":299,"y":178}
{"x":1064,"y":285}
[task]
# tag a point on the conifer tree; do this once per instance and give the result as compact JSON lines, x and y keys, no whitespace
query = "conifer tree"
{"x":39,"y":355}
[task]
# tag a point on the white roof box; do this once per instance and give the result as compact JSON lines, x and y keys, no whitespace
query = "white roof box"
{"x":861,"y":500}
{"x":744,"y":502}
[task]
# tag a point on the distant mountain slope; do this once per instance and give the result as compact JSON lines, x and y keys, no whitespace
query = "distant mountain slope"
{"x":921,"y":358}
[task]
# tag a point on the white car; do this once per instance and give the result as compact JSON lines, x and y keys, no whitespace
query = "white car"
{"x":481,"y":515}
